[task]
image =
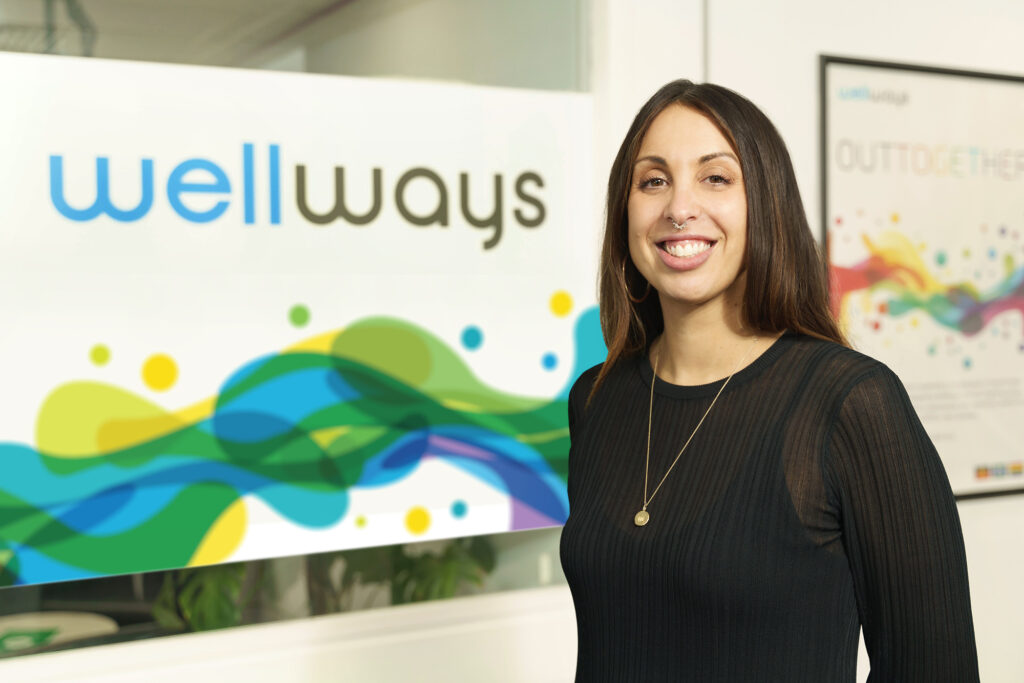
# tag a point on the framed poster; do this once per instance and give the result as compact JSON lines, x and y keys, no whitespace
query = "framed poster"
{"x":923,"y":218}
{"x":253,"y":314}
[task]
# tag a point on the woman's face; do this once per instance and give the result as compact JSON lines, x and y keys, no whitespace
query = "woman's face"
{"x":686,"y":171}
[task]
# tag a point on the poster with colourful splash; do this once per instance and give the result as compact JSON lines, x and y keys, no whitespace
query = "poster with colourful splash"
{"x":254,"y":314}
{"x":924,"y":213}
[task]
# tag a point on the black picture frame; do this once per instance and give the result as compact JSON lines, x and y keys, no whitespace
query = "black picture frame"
{"x":824,"y":61}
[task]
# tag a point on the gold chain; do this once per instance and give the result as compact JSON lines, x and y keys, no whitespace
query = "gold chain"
{"x":641,"y":518}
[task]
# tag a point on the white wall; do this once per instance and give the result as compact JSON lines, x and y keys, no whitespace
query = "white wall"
{"x":994,"y":534}
{"x":768,"y":51}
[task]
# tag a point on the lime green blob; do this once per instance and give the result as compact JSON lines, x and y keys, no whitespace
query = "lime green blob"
{"x":81,"y":419}
{"x":299,"y":315}
{"x":421,"y":361}
{"x":99,"y":355}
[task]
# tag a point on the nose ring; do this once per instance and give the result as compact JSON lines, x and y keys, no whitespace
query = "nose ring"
{"x":678,"y":226}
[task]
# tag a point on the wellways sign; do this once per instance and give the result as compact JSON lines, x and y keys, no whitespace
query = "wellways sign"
{"x":251,"y":314}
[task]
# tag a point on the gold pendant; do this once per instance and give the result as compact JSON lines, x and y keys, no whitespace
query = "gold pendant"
{"x":641,"y":518}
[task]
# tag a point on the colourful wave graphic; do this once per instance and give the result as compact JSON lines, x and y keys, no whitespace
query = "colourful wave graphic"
{"x":116,"y":484}
{"x":895,"y":268}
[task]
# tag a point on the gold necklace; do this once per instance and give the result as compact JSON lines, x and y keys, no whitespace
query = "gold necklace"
{"x":641,"y":518}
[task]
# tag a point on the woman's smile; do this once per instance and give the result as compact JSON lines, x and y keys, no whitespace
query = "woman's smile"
{"x":685,"y":253}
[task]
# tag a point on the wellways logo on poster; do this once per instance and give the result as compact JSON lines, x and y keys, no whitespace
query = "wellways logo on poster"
{"x":200,"y":190}
{"x":863,"y":93}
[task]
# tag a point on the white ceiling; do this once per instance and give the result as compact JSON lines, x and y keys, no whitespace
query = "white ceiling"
{"x":212,"y":32}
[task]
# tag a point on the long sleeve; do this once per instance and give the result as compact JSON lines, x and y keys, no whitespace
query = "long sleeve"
{"x":902,"y":537}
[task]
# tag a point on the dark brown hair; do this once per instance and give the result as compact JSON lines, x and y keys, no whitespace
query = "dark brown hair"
{"x":787,"y":277}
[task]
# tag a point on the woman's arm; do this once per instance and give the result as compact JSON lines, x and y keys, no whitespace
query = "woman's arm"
{"x":902,"y":537}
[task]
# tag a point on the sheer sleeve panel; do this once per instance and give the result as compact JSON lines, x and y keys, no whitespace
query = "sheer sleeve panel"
{"x":902,"y":537}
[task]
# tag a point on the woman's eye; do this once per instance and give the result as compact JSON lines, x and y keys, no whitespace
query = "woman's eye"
{"x":653,"y":182}
{"x":718,"y":180}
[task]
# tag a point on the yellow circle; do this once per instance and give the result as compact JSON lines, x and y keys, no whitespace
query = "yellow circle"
{"x":360,"y":521}
{"x":417,"y":520}
{"x":561,"y":303}
{"x":99,"y":355}
{"x":159,"y":372}
{"x":895,"y":218}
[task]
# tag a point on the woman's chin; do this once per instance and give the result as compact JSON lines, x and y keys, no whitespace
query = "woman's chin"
{"x":689,"y":298}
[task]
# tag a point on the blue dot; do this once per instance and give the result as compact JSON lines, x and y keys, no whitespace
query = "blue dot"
{"x":472,"y":337}
{"x":459,"y":508}
{"x":992,"y":253}
{"x":967,"y":363}
{"x":549,"y":361}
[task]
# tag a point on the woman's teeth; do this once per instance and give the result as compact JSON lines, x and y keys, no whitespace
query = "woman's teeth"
{"x":687,"y":248}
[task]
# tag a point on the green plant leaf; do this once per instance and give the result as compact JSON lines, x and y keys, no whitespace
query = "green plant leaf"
{"x":482,"y":551}
{"x":371,"y":565}
{"x":201,"y":598}
{"x":165,"y":610}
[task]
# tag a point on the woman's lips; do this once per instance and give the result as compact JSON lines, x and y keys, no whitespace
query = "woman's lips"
{"x":686,"y":253}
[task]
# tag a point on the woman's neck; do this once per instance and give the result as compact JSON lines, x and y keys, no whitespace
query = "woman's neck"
{"x":705,"y":344}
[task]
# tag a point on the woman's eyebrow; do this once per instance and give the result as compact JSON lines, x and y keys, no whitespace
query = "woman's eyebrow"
{"x":651,"y":157}
{"x":714,"y":155}
{"x":702,"y":160}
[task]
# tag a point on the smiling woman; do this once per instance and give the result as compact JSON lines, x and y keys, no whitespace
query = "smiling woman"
{"x":746,"y":492}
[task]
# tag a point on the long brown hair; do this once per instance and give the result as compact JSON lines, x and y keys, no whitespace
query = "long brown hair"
{"x":787,"y":277}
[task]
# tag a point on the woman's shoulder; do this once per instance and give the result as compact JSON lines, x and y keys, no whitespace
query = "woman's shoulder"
{"x":834,"y":358}
{"x":834,"y":362}
{"x":583,"y":385}
{"x":618,"y":382}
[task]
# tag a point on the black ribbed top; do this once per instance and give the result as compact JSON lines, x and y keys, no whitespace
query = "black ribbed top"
{"x":810,"y":502}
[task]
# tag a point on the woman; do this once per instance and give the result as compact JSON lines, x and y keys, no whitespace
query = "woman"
{"x":745,"y":491}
